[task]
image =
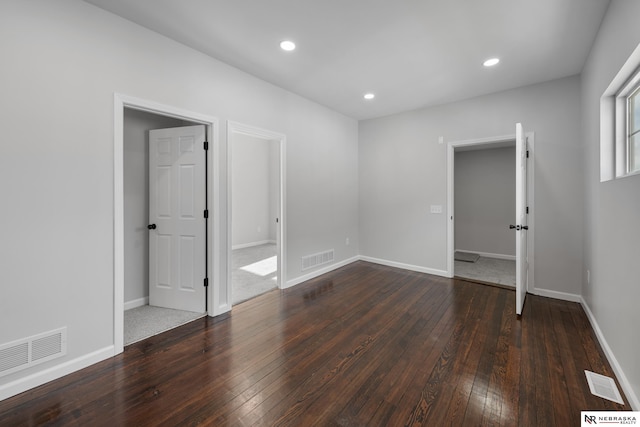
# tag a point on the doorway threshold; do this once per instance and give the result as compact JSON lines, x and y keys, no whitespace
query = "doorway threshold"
{"x":146,"y":321}
{"x":482,"y":282}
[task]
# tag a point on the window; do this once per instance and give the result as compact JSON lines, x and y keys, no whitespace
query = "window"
{"x":628,"y":127}
{"x":633,"y":130}
{"x":620,"y":122}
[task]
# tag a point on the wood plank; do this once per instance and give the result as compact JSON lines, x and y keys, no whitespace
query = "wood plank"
{"x":480,"y":395}
{"x":458,"y":385}
{"x":556,"y":385}
{"x":363,"y":345}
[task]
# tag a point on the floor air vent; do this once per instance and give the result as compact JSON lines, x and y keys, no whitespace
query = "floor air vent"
{"x":603,"y":386}
{"x":24,"y":353}
{"x":315,"y":260}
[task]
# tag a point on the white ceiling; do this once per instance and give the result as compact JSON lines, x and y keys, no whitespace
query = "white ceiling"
{"x":410,"y":53}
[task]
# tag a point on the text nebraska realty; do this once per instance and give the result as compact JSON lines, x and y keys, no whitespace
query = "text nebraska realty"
{"x":610,"y":419}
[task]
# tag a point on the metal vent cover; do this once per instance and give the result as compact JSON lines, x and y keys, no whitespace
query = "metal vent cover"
{"x":603,"y":386}
{"x":30,"y":351}
{"x":13,"y":357}
{"x":310,"y":261}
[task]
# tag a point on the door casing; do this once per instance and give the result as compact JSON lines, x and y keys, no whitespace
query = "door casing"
{"x":217,"y":230}
{"x":489,"y":142}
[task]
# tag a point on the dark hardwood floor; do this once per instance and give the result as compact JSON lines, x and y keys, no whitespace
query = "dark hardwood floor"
{"x":365,"y":345}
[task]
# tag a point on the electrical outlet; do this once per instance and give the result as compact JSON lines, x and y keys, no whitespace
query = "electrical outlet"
{"x":346,"y":242}
{"x":436,"y":209}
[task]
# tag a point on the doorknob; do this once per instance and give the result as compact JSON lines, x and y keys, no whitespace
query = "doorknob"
{"x":151,"y":226}
{"x":511,"y":227}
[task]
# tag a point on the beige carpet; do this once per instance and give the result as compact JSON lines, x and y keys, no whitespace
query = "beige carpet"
{"x":254,"y":271}
{"x":492,"y":270}
{"x":146,"y":321}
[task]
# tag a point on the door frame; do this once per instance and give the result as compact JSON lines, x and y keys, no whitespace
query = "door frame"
{"x":267,"y":135}
{"x":489,"y":141}
{"x":216,"y":256}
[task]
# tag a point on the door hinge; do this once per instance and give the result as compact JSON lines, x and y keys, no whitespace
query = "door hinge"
{"x":206,"y":282}
{"x":206,"y":213}
{"x":527,"y":210}
{"x":206,"y":145}
{"x":527,"y":154}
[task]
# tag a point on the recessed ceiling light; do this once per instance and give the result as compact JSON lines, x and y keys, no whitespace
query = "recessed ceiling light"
{"x":288,"y":45}
{"x":369,"y":96}
{"x":491,"y":62}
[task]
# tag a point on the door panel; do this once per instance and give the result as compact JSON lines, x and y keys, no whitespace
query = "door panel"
{"x":522,"y":265}
{"x":188,"y":254}
{"x":176,"y":206}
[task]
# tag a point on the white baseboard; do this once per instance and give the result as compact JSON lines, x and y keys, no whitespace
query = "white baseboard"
{"x":490,"y":255}
{"x":555,"y":294}
{"x":320,"y":272}
{"x":617,"y":369}
{"x":252,"y":244}
{"x":34,"y":380}
{"x":410,"y":267}
{"x":136,"y":303}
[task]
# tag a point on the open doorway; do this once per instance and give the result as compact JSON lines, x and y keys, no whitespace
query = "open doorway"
{"x":485,"y":201}
{"x":257,"y":223}
{"x":522,"y":221}
{"x":146,"y":311}
{"x":216,"y":301}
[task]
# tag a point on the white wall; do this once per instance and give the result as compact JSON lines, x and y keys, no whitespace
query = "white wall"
{"x":403,"y":171}
{"x":485,"y":200}
{"x":136,"y":198}
{"x":252,"y":191}
{"x":613,"y":208}
{"x":62,"y":62}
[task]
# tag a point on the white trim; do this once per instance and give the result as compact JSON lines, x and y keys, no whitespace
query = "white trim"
{"x":118,"y":224}
{"x":617,"y":369}
{"x":129,"y":305}
{"x":281,"y":238}
{"x":488,"y":141}
{"x":320,"y":272}
{"x":450,"y":209}
{"x":58,"y":371}
{"x":488,"y":254}
{"x":404,"y":266}
{"x":451,"y":146}
{"x":531,"y":223}
{"x":120,"y":102}
{"x":252,"y":244}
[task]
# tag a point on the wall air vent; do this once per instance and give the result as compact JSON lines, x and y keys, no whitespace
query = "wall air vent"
{"x":315,"y":260}
{"x":26,"y":352}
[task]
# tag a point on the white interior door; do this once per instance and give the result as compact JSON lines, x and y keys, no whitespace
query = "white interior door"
{"x":176,"y":218}
{"x":521,"y":227}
